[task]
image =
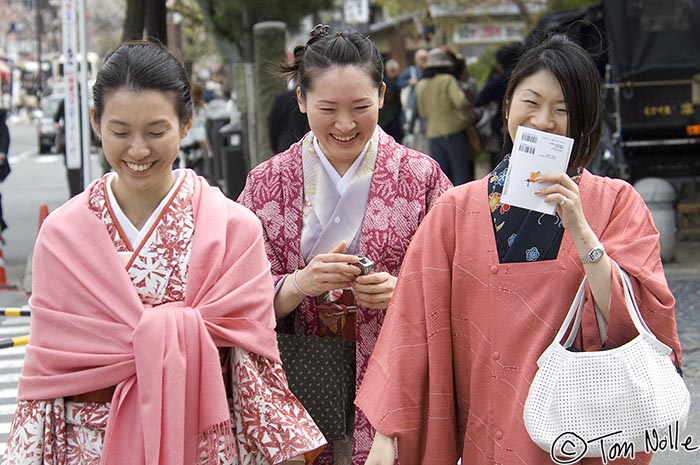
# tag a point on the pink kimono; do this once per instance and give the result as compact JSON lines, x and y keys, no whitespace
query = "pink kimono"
{"x":149,"y":318}
{"x":404,"y":185}
{"x":458,"y":349}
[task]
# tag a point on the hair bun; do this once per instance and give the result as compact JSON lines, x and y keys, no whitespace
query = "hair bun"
{"x":319,"y":31}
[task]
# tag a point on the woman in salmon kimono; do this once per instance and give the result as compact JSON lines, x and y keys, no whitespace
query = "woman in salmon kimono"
{"x":152,"y":336}
{"x":346,"y":188}
{"x":485,"y":286}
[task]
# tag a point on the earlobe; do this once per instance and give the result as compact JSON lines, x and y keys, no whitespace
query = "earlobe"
{"x":95,"y":125}
{"x":185,"y":128}
{"x":300,"y":101}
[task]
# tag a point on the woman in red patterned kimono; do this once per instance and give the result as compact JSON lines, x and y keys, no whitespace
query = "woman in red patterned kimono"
{"x":152,"y":308}
{"x":485,"y":286}
{"x":346,"y":188}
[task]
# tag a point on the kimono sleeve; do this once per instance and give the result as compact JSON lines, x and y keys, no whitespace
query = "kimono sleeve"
{"x":408,"y":389}
{"x":439,"y":183}
{"x":255,"y":195}
{"x":632,"y":241}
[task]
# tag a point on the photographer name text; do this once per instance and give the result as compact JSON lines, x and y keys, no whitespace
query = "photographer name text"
{"x":572,"y":447}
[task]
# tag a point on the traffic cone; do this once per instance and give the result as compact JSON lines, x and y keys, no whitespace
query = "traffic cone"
{"x":43,"y":213}
{"x":3,"y":276}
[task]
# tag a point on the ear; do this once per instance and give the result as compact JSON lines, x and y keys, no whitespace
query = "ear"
{"x":301,"y":101}
{"x":185,"y":128}
{"x":95,"y":124}
{"x":382,"y":93}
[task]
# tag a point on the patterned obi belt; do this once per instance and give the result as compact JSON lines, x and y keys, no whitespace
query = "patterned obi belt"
{"x":336,"y":317}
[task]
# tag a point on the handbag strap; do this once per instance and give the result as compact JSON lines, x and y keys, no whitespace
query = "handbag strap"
{"x":575,"y":314}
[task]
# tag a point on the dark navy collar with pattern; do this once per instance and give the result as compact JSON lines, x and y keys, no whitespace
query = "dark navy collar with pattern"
{"x":521,"y":235}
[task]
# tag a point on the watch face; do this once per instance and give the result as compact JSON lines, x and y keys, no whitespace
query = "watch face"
{"x":596,"y":254}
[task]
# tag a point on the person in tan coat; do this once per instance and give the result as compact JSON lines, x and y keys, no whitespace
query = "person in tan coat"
{"x":446,"y":112}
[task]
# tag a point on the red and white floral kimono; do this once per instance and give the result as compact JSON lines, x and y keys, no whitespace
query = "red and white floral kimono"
{"x":158,"y":314}
{"x":403,"y":186}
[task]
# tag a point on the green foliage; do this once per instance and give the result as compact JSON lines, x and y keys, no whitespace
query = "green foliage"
{"x":398,"y":7}
{"x":555,"y":5}
{"x":232,"y":19}
{"x":197,"y":41}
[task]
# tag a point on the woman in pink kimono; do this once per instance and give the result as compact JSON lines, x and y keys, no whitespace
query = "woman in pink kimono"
{"x":485,"y":286}
{"x":346,"y":188}
{"x":152,"y":335}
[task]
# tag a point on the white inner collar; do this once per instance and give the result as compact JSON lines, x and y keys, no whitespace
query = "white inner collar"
{"x":133,"y":234}
{"x":340,"y":182}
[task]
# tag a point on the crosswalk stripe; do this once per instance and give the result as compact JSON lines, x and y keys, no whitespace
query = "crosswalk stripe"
{"x":11,"y":360}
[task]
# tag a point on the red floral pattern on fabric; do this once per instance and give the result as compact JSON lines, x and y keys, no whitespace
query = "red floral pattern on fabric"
{"x":56,"y":432}
{"x":270,"y":422}
{"x":159,"y":271}
{"x":405,"y":184}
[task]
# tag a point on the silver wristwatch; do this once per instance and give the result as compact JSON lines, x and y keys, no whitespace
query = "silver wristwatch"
{"x":595,"y":254}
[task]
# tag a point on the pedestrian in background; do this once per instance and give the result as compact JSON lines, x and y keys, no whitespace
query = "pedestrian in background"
{"x":490,"y":99}
{"x":4,"y":162}
{"x":345,"y":189}
{"x":285,"y":123}
{"x":484,"y":286}
{"x":152,"y":304}
{"x":446,"y":111}
{"x":391,"y":114}
{"x":407,"y":82}
{"x":74,"y":176}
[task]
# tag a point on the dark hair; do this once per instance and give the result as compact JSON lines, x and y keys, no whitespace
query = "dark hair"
{"x":141,"y":65}
{"x":436,"y":70}
{"x":508,"y":55}
{"x":579,"y":79}
{"x":324,"y":50}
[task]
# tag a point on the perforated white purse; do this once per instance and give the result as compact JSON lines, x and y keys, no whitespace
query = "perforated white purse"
{"x":589,"y":404}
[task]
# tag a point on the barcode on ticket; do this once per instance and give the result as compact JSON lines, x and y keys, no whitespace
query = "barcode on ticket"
{"x":531,"y":138}
{"x":527,"y":148}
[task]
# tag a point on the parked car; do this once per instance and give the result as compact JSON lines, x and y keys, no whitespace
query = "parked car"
{"x":46,"y":128}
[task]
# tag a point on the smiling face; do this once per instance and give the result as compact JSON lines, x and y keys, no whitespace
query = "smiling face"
{"x":141,"y":134}
{"x":538,"y":103}
{"x":343,"y":110}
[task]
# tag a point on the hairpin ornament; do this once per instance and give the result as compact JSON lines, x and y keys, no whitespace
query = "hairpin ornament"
{"x":319,"y":31}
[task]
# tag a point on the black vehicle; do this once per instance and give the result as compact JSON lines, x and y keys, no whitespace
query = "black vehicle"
{"x":648,"y":55}
{"x":46,"y":129}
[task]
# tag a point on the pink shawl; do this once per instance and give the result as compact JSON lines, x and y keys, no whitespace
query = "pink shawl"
{"x":91,"y":331}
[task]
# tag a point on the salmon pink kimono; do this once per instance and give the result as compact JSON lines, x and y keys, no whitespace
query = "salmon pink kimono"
{"x":404,"y":186}
{"x":148,"y":319}
{"x":459,"y":346}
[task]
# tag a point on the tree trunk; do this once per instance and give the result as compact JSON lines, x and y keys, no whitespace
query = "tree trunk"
{"x":133,"y":20}
{"x":146,"y":20}
{"x":155,"y":26}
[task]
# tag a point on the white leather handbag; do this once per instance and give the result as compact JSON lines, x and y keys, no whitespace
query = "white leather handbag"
{"x":587,"y":404}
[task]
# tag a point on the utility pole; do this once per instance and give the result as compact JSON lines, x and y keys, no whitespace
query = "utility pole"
{"x":39,"y":24}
